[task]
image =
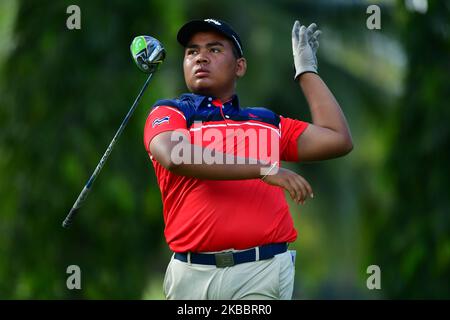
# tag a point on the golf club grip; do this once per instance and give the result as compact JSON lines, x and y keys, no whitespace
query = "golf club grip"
{"x":77,"y":205}
{"x":68,"y":220}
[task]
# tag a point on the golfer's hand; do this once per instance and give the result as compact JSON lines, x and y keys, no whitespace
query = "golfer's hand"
{"x":305,"y":42}
{"x":296,"y":185}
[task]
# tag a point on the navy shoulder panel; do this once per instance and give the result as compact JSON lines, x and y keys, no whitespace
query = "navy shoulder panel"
{"x":262,"y":114}
{"x":190,"y":105}
{"x":166,"y":102}
{"x":174,"y":103}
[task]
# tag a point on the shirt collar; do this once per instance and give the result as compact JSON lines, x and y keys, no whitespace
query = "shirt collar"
{"x":207,"y":101}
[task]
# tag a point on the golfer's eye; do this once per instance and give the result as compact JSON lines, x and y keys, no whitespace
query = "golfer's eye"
{"x":215,"y":50}
{"x":190,"y":52}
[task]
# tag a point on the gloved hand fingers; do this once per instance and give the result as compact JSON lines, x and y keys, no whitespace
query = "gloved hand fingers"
{"x":295,"y":35}
{"x":314,"y":45}
{"x":295,"y":29}
{"x":303,"y":37}
{"x":314,"y":40}
{"x":316,"y":35}
{"x":311,"y":29}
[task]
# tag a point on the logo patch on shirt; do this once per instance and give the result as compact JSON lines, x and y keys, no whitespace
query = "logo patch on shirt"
{"x":159,"y":121}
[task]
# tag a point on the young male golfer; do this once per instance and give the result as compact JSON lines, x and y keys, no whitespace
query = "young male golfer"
{"x":218,"y":168}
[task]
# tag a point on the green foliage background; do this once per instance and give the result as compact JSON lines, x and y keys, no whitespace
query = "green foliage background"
{"x":64,"y":93}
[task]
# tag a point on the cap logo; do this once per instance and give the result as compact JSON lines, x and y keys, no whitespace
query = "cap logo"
{"x":213,"y":21}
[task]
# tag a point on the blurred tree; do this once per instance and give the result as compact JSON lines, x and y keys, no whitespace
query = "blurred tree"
{"x":410,"y":236}
{"x":64,"y":93}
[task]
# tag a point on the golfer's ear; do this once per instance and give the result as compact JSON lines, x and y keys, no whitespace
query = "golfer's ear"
{"x":241,"y":67}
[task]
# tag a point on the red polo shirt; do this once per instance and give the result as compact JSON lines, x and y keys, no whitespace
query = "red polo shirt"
{"x":214,"y":215}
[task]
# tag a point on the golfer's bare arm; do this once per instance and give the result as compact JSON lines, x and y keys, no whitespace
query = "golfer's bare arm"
{"x":161,"y":147}
{"x":328,"y":136}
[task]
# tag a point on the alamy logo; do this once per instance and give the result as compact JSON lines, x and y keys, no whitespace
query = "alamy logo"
{"x":213,"y":21}
{"x":74,"y":20}
{"x":247,"y":143}
{"x":374,"y":280}
{"x":374,"y":20}
{"x":159,"y":121}
{"x":74,"y":280}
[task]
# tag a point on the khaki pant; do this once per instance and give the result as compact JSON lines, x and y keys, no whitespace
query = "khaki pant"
{"x":259,"y":280}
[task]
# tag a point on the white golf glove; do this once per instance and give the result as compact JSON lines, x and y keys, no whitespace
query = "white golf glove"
{"x":305,"y":42}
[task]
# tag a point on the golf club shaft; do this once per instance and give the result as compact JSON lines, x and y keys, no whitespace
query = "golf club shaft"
{"x":87,"y":188}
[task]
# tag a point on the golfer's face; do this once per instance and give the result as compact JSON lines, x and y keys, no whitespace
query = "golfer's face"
{"x":210,"y":68}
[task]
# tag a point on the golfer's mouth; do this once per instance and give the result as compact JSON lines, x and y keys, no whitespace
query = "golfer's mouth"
{"x":201,"y":73}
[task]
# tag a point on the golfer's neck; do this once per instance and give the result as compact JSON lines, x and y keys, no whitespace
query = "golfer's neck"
{"x":223,"y":96}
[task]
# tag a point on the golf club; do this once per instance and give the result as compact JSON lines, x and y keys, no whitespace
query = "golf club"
{"x":148,"y":54}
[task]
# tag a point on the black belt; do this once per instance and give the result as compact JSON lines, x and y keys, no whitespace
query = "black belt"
{"x":228,"y":259}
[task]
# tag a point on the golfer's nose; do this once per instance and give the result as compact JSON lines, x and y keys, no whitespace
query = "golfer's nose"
{"x":202,"y":57}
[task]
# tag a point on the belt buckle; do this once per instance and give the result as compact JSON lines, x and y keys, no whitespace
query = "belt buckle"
{"x":224,"y":259}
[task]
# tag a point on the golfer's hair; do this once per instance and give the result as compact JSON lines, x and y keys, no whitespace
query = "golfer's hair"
{"x":235,"y":51}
